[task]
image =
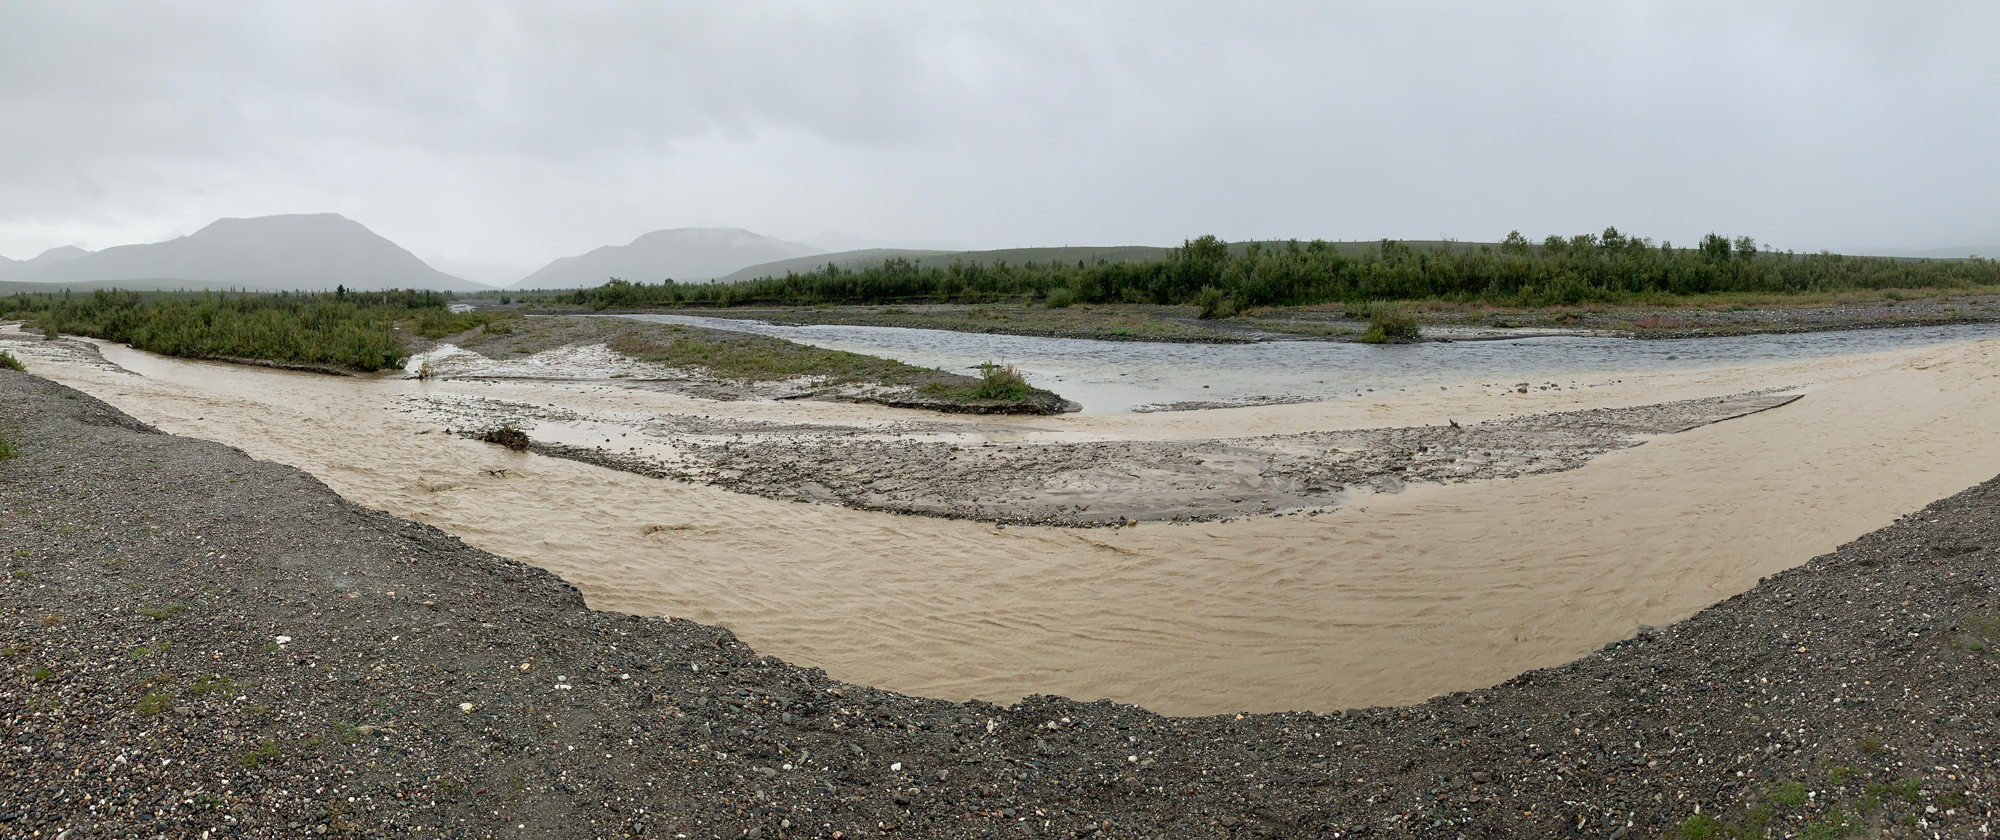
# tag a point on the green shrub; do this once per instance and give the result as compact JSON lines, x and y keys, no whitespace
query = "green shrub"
{"x":1211,"y":302}
{"x":1389,"y":324}
{"x":8,"y":361}
{"x":1060,"y":297}
{"x":997,"y":382}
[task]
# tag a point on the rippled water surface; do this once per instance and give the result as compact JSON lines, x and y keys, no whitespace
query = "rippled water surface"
{"x":1117,"y":376}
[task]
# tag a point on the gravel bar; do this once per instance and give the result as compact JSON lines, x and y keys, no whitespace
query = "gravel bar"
{"x":200,"y":644}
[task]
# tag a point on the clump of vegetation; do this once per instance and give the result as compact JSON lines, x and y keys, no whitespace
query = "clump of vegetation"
{"x":509,"y":437}
{"x":213,"y":684}
{"x":1211,"y":303}
{"x":352,"y":330}
{"x":8,"y":450}
{"x":441,"y":322}
{"x":1788,"y":794}
{"x":1001,"y":382}
{"x":8,"y":361}
{"x":266,"y":750}
{"x":162,"y":613}
{"x":153,"y":703}
{"x":1061,"y":297}
{"x":1700,"y":827}
{"x":1389,"y":324}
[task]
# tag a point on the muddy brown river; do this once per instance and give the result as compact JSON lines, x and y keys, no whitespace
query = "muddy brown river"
{"x":1388,"y":599}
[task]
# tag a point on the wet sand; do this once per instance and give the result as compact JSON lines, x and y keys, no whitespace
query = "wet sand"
{"x":1388,"y":600}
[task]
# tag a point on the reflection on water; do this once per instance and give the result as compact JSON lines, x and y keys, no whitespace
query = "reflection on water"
{"x":1110,"y":377}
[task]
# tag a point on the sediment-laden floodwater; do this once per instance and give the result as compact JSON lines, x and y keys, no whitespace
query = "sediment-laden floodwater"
{"x":1388,"y":599}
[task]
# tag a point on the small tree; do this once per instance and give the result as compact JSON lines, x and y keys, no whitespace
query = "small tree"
{"x":1715,"y":247}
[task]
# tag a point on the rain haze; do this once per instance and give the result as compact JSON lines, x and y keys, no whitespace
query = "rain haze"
{"x":491,"y":138}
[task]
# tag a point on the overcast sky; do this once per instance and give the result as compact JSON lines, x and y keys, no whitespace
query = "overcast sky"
{"x":513,"y":134}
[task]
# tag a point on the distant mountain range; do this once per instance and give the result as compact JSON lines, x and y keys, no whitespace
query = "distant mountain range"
{"x":314,"y":252}
{"x":12,"y":268}
{"x":318,"y":252}
{"x":683,"y":255}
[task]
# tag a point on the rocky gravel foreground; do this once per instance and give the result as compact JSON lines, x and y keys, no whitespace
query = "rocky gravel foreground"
{"x":199,"y":644}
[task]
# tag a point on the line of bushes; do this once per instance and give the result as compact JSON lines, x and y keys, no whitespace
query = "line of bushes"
{"x":1220,"y":279}
{"x":351,"y":330}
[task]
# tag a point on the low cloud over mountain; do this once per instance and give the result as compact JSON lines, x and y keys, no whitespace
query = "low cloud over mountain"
{"x":681,"y":254}
{"x":313,"y":252}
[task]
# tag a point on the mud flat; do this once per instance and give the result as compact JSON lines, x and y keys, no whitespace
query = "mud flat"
{"x":198,"y":643}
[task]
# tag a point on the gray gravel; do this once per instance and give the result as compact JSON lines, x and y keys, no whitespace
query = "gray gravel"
{"x":1113,"y":482}
{"x":198,"y":644}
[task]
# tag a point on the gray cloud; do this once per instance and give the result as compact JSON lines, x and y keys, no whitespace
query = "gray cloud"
{"x":511,"y":134}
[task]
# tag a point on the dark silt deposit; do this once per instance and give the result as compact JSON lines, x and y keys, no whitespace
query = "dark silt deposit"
{"x":197,"y":644}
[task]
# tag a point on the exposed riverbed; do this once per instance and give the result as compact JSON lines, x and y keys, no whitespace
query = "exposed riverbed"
{"x":1387,"y":598}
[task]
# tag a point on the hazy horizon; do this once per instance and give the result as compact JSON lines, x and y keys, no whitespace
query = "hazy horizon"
{"x":491,"y":139}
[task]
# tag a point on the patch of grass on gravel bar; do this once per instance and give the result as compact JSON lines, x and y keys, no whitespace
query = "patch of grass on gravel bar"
{"x":747,"y":358}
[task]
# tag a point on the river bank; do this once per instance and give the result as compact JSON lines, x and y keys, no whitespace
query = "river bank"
{"x":199,"y":642}
{"x":1701,"y":316}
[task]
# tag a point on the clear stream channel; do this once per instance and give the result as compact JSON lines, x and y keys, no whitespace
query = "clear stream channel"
{"x":1115,"y":377}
